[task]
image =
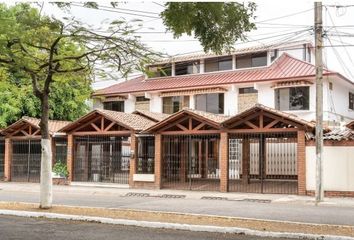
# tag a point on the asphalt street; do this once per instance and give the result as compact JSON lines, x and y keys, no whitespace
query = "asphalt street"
{"x":43,"y":229}
{"x":112,"y":198}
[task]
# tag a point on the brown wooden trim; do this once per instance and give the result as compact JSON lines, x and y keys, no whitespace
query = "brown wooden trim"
{"x":25,"y":137}
{"x":191,"y":132}
{"x":182,"y":127}
{"x":242,"y":120}
{"x":102,"y":123}
{"x":173,"y":123}
{"x":275,"y":121}
{"x":271,"y":130}
{"x":95,"y":127}
{"x":199,"y":126}
{"x":109,"y":126}
{"x":334,"y":143}
{"x":84,"y":125}
{"x":248,"y":123}
{"x":115,"y":133}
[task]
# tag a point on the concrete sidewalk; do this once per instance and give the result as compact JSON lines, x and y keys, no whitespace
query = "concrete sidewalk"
{"x":291,"y":208}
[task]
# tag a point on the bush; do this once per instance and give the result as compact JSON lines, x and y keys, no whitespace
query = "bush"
{"x":60,"y":169}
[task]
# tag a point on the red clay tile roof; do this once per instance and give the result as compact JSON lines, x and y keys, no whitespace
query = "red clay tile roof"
{"x":258,"y":106}
{"x":154,"y":116}
{"x":53,"y":125}
{"x":284,"y":68}
{"x":128,"y":120}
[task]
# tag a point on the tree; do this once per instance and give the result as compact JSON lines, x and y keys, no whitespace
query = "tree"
{"x":50,"y":51}
{"x":67,"y":100}
{"x":217,"y":25}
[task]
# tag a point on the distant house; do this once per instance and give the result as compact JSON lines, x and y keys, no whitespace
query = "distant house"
{"x":277,"y":76}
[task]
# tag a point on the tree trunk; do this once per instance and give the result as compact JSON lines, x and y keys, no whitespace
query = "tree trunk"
{"x":46,"y":193}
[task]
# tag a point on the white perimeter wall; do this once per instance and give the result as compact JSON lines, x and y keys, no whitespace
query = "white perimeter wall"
{"x":338,"y":168}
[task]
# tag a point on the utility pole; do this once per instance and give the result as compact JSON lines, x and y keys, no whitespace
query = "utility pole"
{"x":319,"y":102}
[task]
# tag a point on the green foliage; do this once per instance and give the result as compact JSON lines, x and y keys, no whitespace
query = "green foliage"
{"x":217,"y":25}
{"x":60,"y":169}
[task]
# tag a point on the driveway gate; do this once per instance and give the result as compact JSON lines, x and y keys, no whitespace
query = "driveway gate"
{"x":26,"y":160}
{"x":102,"y":159}
{"x":191,"y":162}
{"x":263,"y":162}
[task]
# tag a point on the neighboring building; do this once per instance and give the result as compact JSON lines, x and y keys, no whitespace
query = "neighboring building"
{"x":278,"y":76}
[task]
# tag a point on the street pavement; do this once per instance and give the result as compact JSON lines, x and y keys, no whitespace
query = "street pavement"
{"x":279,"y":207}
{"x":43,"y":229}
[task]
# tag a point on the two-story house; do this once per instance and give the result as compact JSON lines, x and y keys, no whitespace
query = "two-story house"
{"x":280,"y":76}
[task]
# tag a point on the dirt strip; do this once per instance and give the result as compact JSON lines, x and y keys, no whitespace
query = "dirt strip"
{"x":262,"y":225}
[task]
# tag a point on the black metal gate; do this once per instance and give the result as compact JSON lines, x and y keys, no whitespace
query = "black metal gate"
{"x":26,"y":160}
{"x":263,"y":163}
{"x":191,"y":162}
{"x":102,"y":159}
{"x":146,"y":155}
{"x":60,"y":145}
{"x":2,"y":155}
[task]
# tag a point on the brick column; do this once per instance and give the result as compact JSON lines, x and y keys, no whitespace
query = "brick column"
{"x":133,"y":158}
{"x":70,"y":157}
{"x":246,"y":160}
{"x":158,"y":161}
{"x":7,"y":159}
{"x":301,"y":163}
{"x":224,"y":162}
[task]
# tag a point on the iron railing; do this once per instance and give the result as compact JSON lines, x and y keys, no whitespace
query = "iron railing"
{"x":263,"y":163}
{"x":191,"y":162}
{"x":146,"y":155}
{"x":102,"y":159}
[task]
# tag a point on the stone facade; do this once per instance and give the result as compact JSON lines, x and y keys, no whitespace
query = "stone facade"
{"x":246,"y":101}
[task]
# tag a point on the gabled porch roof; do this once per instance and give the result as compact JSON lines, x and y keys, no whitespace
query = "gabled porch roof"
{"x":260,"y":117}
{"x":28,"y":126}
{"x":105,"y":121}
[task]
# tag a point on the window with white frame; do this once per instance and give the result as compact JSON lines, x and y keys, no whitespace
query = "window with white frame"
{"x":292,"y":98}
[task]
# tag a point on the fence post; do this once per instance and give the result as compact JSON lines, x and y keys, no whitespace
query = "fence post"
{"x":133,"y":158}
{"x":158,"y":161}
{"x":7,"y":160}
{"x":301,"y":162}
{"x":69,"y":156}
{"x":224,"y":162}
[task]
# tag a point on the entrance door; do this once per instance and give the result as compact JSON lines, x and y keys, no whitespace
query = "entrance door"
{"x":26,"y":161}
{"x":191,"y":162}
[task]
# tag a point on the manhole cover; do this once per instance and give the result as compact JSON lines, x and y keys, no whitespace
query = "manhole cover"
{"x":131,"y":194}
{"x":213,"y":198}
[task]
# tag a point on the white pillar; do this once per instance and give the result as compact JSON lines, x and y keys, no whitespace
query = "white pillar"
{"x":202,"y":66}
{"x":192,"y":101}
{"x":233,"y":62}
{"x":173,"y":69}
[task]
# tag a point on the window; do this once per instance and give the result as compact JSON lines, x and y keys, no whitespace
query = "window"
{"x":114,"y":106}
{"x":213,"y":103}
{"x":247,"y":90}
{"x":146,"y":155}
{"x":251,"y":60}
{"x":183,"y":68}
{"x":274,"y":54}
{"x":330,"y":86}
{"x":218,"y":64}
{"x":174,"y":104}
{"x":351,"y":101}
{"x":161,"y":71}
{"x":294,"y":98}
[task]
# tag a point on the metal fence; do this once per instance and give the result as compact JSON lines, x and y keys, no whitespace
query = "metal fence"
{"x":60,"y":152}
{"x":191,"y":162}
{"x":26,"y":160}
{"x":2,"y":155}
{"x":263,"y":163}
{"x":146,"y":155}
{"x":102,"y":159}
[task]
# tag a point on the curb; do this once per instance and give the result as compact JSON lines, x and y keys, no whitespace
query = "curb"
{"x":174,"y":226}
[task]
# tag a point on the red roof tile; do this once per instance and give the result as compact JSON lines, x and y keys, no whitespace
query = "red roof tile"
{"x":284,"y":68}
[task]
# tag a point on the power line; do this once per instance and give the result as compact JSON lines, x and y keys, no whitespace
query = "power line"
{"x":285,"y":16}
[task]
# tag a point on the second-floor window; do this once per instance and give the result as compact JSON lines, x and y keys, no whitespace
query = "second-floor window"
{"x":351,"y":101}
{"x":251,"y":60}
{"x":218,"y":64}
{"x":174,"y":104}
{"x":213,"y":103}
{"x":183,"y":68}
{"x":293,"y":98}
{"x":114,"y":106}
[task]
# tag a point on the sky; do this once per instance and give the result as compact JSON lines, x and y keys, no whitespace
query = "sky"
{"x":286,"y":20}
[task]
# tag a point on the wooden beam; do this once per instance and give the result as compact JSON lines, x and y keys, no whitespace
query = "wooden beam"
{"x":199,"y":126}
{"x":263,"y":130}
{"x":173,"y":123}
{"x":190,"y":123}
{"x":271,"y":124}
{"x":102,"y":123}
{"x":95,"y":127}
{"x":37,"y":131}
{"x":26,"y":137}
{"x":248,"y":123}
{"x":24,"y":133}
{"x":191,"y":132}
{"x":244,"y":119}
{"x":284,"y":120}
{"x":111,"y":133}
{"x":86,"y":124}
{"x":182,"y":127}
{"x":109,"y":126}
{"x":261,"y":120}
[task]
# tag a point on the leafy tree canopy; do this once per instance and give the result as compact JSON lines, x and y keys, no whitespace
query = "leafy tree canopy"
{"x":217,"y":25}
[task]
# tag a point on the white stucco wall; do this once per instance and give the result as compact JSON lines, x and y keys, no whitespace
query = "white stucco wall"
{"x":155,"y":103}
{"x":338,"y":168}
{"x":129,"y":104}
{"x":230,"y":101}
{"x":96,"y":104}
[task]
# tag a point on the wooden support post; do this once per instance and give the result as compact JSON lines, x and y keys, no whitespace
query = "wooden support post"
{"x":158,"y":161}
{"x":301,"y":163}
{"x":246,"y":160}
{"x":133,"y":158}
{"x":7,"y":159}
{"x":70,"y":157}
{"x":224,"y":162}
